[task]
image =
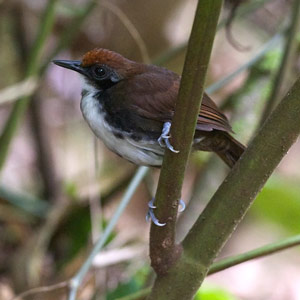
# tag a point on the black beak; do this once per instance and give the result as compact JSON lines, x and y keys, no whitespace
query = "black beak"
{"x":74,"y":65}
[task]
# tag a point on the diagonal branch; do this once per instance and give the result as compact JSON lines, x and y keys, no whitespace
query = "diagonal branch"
{"x":234,"y":261}
{"x":233,"y":198}
{"x":256,"y":253}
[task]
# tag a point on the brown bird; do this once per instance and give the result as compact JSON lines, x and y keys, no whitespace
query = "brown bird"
{"x":130,"y":107}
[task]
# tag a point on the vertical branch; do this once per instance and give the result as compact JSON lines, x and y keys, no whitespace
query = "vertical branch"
{"x":163,"y":251}
{"x":45,"y":160}
{"x":45,"y":157}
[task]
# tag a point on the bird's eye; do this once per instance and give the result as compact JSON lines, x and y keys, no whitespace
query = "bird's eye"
{"x":99,"y":72}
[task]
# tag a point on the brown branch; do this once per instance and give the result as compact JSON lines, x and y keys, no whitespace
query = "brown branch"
{"x":40,"y":132}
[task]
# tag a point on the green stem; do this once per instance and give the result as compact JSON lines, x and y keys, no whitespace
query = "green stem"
{"x":233,"y":198}
{"x":290,"y":48}
{"x":47,"y":22}
{"x":234,"y":260}
{"x":67,"y":36}
{"x":163,"y":251}
{"x":256,"y":253}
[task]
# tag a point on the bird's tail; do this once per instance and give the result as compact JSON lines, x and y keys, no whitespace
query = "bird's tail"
{"x":232,"y":152}
{"x":223,"y":144}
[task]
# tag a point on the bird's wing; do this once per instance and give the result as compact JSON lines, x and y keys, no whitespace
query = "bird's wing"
{"x":210,"y":117}
{"x":153,"y":96}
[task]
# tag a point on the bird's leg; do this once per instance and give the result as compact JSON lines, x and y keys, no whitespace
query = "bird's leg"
{"x":151,"y":215}
{"x":164,"y":139}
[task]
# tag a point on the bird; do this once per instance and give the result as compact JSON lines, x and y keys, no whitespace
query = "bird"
{"x":130,"y":106}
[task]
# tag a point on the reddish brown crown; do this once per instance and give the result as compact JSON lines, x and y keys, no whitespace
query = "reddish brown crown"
{"x":115,"y":60}
{"x":102,"y":56}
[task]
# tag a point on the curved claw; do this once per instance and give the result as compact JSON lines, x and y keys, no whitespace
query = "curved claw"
{"x":182,"y":204}
{"x":151,"y":203}
{"x":169,"y":146}
{"x":163,"y":140}
{"x":151,"y":215}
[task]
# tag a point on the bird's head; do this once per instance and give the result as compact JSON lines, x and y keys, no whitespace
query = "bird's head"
{"x":101,"y":68}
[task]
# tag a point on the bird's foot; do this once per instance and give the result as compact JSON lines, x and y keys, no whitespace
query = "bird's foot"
{"x":151,"y":215}
{"x":164,"y":139}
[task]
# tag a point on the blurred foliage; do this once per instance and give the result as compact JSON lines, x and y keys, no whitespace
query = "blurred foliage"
{"x":209,"y":292}
{"x":279,"y":202}
{"x":24,"y":211}
{"x":132,"y":286}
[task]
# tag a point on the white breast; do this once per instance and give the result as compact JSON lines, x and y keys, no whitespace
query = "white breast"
{"x":141,"y":152}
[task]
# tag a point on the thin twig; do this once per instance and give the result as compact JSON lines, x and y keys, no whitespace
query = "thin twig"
{"x":286,"y":56}
{"x":71,"y":31}
{"x":228,"y":28}
{"x":174,"y":52}
{"x":95,"y":200}
{"x":21,"y":89}
{"x":42,"y":289}
{"x":256,"y":253}
{"x":116,"y":256}
{"x":268,"y":46}
{"x":131,"y":29}
{"x":96,"y":213}
{"x":78,"y":278}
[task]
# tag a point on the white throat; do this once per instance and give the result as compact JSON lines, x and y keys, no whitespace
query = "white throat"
{"x":141,"y":153}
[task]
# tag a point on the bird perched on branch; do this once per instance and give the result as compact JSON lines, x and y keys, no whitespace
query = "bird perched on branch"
{"x":130,"y":107}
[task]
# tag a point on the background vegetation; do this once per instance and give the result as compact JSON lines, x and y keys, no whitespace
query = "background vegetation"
{"x":59,"y":187}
